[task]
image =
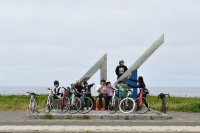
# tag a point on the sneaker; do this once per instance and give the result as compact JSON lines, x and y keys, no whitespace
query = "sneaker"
{"x":97,"y":109}
{"x":85,"y":108}
{"x":89,"y":108}
{"x":102,"y":108}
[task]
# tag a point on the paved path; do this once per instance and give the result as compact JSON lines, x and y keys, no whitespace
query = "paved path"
{"x":179,"y":119}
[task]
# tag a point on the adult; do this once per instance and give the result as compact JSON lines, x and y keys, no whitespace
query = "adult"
{"x":101,"y":92}
{"x":79,"y":88}
{"x":121,"y":69}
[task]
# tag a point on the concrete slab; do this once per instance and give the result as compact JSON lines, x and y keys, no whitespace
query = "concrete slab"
{"x":104,"y":115}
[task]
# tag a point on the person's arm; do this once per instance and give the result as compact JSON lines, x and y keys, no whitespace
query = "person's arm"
{"x":133,"y":80}
{"x":137,"y":86}
{"x":117,"y":70}
{"x":99,"y":88}
{"x":106,"y":92}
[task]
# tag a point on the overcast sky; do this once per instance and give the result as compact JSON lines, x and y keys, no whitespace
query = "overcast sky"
{"x":41,"y":41}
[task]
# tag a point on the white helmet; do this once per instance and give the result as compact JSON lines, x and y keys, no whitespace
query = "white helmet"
{"x":78,"y":80}
{"x":72,"y":83}
{"x":121,"y":61}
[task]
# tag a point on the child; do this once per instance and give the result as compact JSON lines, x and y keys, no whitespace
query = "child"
{"x":57,"y":90}
{"x":109,"y":90}
{"x":87,"y":89}
{"x":122,"y":87}
{"x":140,"y":85}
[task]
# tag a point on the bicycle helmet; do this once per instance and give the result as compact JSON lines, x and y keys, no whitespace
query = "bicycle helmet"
{"x":56,"y":82}
{"x":73,"y":83}
{"x":78,"y":81}
{"x":121,"y":61}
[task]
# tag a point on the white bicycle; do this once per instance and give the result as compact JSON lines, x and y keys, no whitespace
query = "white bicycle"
{"x":113,"y":104}
{"x":48,"y":105}
{"x":33,"y":104}
{"x":127,"y":105}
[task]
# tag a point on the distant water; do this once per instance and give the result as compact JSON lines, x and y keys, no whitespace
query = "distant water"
{"x":175,"y":91}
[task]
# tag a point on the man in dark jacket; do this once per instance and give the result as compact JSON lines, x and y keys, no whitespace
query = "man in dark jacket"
{"x":121,"y":69}
{"x":79,"y":87}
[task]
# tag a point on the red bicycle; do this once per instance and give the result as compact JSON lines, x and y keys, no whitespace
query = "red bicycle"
{"x":142,"y":103}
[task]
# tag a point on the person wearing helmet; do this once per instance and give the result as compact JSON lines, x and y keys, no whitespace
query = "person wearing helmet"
{"x":141,"y":84}
{"x":79,"y":87}
{"x":121,"y":69}
{"x":57,"y":90}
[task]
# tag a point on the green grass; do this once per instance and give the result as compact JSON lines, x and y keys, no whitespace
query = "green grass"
{"x":178,"y":104}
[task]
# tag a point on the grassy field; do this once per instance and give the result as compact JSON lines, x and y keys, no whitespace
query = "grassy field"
{"x":179,"y":104}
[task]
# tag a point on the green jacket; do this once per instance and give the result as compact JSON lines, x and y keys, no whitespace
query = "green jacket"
{"x":122,"y":88}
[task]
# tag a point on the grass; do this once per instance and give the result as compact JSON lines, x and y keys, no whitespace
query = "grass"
{"x":48,"y":116}
{"x":126,"y":118}
{"x":178,"y":104}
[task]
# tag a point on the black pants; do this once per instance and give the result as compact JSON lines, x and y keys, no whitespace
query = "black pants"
{"x":143,"y":95}
{"x":108,"y":98}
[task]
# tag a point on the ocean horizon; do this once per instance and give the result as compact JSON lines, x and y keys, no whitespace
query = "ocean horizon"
{"x":173,"y":91}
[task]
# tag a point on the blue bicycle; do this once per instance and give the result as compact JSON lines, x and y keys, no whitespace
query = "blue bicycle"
{"x":87,"y":103}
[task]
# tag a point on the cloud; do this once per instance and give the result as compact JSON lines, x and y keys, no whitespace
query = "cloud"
{"x":46,"y":40}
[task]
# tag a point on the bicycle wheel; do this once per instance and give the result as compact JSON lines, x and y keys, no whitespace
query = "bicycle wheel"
{"x":48,"y":107}
{"x":87,"y":107}
{"x":142,"y":108}
{"x":127,"y":105}
{"x":113,"y":107}
{"x":32,"y":108}
{"x":62,"y":108}
{"x":163,"y":107}
{"x":29,"y":110}
{"x":72,"y":107}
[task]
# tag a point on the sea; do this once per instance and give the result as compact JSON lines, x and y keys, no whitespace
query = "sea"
{"x":173,"y":91}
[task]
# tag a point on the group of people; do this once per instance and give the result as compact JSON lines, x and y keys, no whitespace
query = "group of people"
{"x":104,"y":90}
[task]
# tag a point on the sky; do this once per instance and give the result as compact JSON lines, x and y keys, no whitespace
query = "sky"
{"x":43,"y":41}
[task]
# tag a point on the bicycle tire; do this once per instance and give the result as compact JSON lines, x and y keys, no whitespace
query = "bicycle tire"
{"x":32,"y":108}
{"x":113,"y":109}
{"x":48,"y":107}
{"x":163,"y":107}
{"x":74,"y":109}
{"x":83,"y":111}
{"x":141,"y":109}
{"x":60,"y":108}
{"x":127,"y":106}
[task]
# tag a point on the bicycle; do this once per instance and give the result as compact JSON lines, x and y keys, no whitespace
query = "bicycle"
{"x":87,"y":103}
{"x":113,"y":104}
{"x":141,"y":103}
{"x":162,"y":96}
{"x":127,"y":104}
{"x":33,"y":104}
{"x":62,"y":104}
{"x":74,"y":106}
{"x":48,"y":105}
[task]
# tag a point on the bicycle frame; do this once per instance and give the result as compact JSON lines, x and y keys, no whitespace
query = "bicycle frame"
{"x":32,"y":100}
{"x":50,"y":95}
{"x":128,"y":94}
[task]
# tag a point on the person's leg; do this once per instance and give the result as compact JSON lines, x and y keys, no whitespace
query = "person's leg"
{"x":144,"y":95}
{"x":103,"y":102}
{"x":97,"y":102}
